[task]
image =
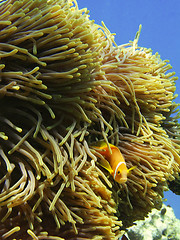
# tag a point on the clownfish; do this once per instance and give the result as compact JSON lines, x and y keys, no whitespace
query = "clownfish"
{"x":114,"y":162}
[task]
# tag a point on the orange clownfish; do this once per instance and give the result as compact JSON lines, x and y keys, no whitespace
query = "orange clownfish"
{"x":114,"y":162}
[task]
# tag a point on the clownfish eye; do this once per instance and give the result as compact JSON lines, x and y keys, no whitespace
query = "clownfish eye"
{"x":118,"y":172}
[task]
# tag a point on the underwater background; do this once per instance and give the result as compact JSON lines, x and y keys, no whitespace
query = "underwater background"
{"x":160,"y":31}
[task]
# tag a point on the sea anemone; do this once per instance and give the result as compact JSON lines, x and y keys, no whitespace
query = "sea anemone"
{"x":65,"y":84}
{"x":148,"y":136}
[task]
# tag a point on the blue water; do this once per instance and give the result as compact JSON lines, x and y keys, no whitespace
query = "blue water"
{"x":160,"y":31}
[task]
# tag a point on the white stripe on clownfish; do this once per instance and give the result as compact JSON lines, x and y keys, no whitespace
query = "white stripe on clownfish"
{"x":115,"y":172}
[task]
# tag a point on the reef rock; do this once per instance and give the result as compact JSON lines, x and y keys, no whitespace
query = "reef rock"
{"x":159,"y":225}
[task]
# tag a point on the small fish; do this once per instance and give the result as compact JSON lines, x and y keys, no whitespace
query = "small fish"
{"x":114,"y":162}
{"x":124,"y":237}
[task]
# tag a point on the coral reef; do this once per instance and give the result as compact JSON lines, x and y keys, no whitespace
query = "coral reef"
{"x":160,"y":224}
{"x":65,"y":84}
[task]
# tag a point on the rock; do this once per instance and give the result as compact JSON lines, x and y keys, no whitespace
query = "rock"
{"x":159,"y":225}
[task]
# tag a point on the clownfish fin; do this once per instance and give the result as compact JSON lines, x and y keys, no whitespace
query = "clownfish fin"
{"x":105,"y":164}
{"x":130,"y":169}
{"x":99,"y":149}
{"x":101,"y":145}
